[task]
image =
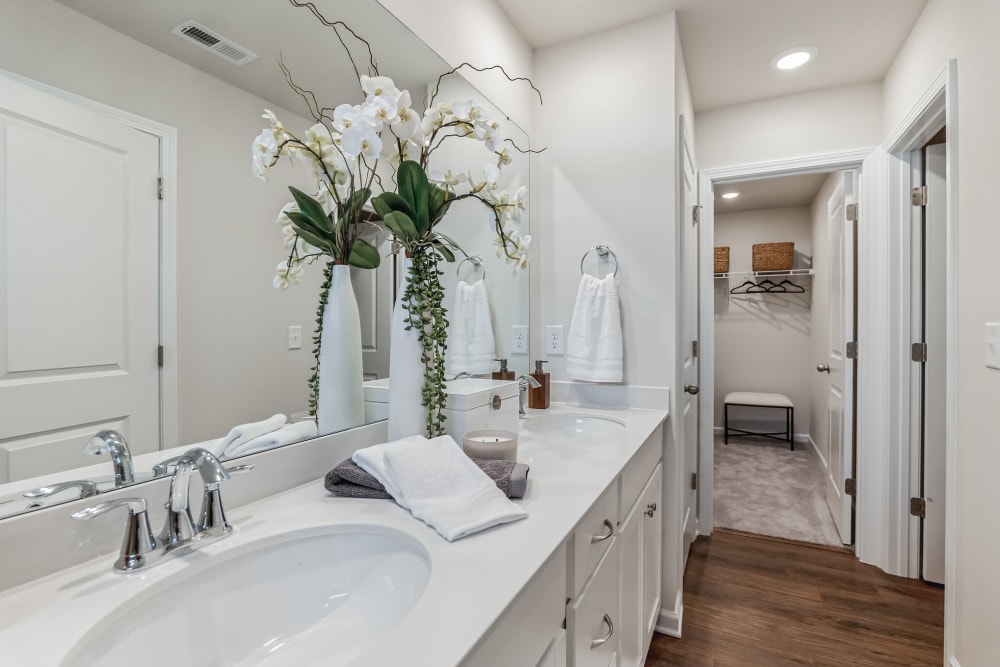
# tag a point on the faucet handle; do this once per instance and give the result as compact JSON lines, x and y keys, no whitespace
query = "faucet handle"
{"x":212,"y":521}
{"x":139,"y":547}
{"x":88,"y":488}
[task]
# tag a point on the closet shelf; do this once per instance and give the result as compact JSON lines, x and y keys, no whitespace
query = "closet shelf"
{"x":746,"y":275}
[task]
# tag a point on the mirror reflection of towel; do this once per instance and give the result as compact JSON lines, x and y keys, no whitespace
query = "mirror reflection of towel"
{"x":594,"y":343}
{"x":471,"y":347}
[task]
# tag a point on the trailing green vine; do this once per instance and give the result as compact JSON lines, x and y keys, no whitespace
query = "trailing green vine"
{"x":324,"y":294}
{"x":422,"y":299}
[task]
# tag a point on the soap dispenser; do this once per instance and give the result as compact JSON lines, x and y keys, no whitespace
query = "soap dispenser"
{"x":503,"y":373}
{"x":538,"y":397}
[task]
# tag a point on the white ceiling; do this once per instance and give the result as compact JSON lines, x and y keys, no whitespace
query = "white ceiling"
{"x":728,"y":44}
{"x":781,"y":192}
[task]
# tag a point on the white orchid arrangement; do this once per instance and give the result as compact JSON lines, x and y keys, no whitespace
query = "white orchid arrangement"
{"x":384,"y":144}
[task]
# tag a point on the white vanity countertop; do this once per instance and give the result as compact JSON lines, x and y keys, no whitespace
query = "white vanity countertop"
{"x":472,"y":580}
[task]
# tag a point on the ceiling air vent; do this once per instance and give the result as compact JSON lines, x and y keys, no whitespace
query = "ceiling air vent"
{"x":214,"y":42}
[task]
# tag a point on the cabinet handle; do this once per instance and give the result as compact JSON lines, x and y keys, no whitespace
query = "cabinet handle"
{"x":594,"y":643}
{"x":600,"y":538}
{"x":650,"y":509}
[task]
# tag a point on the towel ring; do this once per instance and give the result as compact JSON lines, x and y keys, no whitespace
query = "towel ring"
{"x":476,"y":260}
{"x":602,"y":251}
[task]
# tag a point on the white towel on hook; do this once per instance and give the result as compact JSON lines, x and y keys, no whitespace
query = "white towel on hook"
{"x":246,"y":432}
{"x":594,"y":343}
{"x":471,"y":346}
{"x":286,"y":435}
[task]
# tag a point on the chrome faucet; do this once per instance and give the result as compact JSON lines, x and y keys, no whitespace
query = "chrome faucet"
{"x":463,"y":374}
{"x":523,"y":383}
{"x":113,"y":443}
{"x":139,"y":547}
{"x":180,"y":527}
{"x":87,"y":488}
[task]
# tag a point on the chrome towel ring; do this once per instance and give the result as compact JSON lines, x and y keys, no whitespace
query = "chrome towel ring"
{"x":603,"y":252}
{"x":477,"y":263}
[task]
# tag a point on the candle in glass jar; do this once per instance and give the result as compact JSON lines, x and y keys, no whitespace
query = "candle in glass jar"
{"x":490,"y":444}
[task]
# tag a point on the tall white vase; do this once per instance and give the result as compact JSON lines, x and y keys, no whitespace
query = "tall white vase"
{"x":341,"y":402}
{"x":406,"y":372}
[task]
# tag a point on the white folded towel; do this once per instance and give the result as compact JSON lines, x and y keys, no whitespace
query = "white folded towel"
{"x":440,"y":485}
{"x":594,"y":344}
{"x":246,"y":432}
{"x":471,"y":347}
{"x":286,"y":435}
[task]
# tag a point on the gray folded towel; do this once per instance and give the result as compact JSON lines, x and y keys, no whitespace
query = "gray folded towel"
{"x":348,"y":480}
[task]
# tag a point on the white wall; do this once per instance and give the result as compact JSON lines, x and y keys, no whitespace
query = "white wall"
{"x":233,"y":365}
{"x":966,"y":30}
{"x":763,"y":342}
{"x":826,"y":121}
{"x":819,"y":386}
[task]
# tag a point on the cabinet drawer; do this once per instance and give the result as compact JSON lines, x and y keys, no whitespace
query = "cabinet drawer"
{"x":592,"y":538}
{"x":592,"y":619}
{"x":638,"y":470}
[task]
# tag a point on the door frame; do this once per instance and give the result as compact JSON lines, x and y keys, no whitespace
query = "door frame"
{"x":167,"y":136}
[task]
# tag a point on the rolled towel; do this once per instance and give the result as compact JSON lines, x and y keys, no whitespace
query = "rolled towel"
{"x":349,"y":480}
{"x":442,"y":487}
{"x":246,"y":432}
{"x":286,"y":435}
{"x":594,"y":343}
{"x":471,"y":346}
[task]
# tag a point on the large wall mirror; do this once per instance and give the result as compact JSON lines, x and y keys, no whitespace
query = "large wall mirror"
{"x":236,"y":350}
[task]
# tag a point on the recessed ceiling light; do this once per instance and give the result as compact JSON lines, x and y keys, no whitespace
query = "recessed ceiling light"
{"x":794,"y":57}
{"x":731,"y":195}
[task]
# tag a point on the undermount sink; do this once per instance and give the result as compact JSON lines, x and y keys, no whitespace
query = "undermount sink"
{"x":573,"y":425}
{"x":309,"y":598}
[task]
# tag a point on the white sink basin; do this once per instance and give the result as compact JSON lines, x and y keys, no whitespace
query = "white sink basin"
{"x":307,"y":598}
{"x":573,"y":425}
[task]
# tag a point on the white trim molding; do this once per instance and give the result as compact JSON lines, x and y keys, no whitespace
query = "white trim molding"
{"x":671,"y":621}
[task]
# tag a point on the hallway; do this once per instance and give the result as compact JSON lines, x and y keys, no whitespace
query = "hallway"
{"x":762,"y":602}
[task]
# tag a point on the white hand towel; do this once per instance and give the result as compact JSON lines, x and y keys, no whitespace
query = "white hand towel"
{"x":246,"y":432}
{"x":442,"y":487}
{"x":372,"y":461}
{"x":286,"y":435}
{"x":594,"y":344}
{"x":471,"y":347}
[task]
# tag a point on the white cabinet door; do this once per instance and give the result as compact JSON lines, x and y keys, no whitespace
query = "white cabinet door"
{"x":652,"y":553}
{"x":592,"y":619}
{"x":632,"y":629}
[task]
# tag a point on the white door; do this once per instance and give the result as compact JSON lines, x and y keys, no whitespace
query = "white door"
{"x":841,"y":367}
{"x":374,"y":290}
{"x":79,"y":275}
{"x":689,"y":339}
{"x":934,"y":380}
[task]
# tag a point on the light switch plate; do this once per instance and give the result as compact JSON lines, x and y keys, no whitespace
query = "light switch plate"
{"x":519,"y":339}
{"x":554,"y":339}
{"x":993,"y":345}
{"x":294,"y":337}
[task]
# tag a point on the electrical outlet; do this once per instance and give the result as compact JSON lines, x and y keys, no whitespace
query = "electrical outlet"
{"x":294,"y":337}
{"x":519,"y":339}
{"x":554,"y":339}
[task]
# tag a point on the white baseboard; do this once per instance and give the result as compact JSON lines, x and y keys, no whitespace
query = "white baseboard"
{"x":670,"y":620}
{"x":803,"y":438}
{"x":822,"y":459}
{"x":953,"y":662}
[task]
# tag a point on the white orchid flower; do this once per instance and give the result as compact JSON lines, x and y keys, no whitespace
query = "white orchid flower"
{"x":503,"y":157}
{"x":283,"y":219}
{"x":286,"y":275}
{"x":466,"y":110}
{"x":492,"y":173}
{"x":275,"y":123}
{"x":347,"y":116}
{"x":380,"y":111}
{"x":379,"y":86}
{"x":407,"y":124}
{"x":265,"y":150}
{"x":362,"y":139}
{"x":447,"y":178}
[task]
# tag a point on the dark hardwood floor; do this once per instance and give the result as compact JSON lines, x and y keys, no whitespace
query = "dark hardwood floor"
{"x":751,"y":601}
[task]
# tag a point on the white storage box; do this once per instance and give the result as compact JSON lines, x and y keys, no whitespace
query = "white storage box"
{"x":473,"y":404}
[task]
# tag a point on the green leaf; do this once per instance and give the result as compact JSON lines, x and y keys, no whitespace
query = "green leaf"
{"x":402,"y":226}
{"x":351,"y":209}
{"x":387,"y":202}
{"x":364,"y":255}
{"x":312,"y":209}
{"x":308,"y":231}
{"x":445,"y":251}
{"x":414,"y":188}
{"x":438,"y":199}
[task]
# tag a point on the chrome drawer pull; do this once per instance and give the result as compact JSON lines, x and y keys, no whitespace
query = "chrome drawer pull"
{"x":600,"y":538}
{"x":594,"y":643}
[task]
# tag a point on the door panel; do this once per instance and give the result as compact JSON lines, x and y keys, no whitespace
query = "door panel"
{"x":689,"y":403}
{"x":79,"y":271}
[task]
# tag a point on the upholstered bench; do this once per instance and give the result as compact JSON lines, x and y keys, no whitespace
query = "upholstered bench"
{"x":761,"y":400}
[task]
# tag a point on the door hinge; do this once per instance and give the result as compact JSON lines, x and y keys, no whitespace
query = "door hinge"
{"x":694,"y":349}
{"x":694,"y":481}
{"x":852,"y":350}
{"x":159,"y":356}
{"x":850,"y":487}
{"x":159,"y":187}
{"x":918,"y":196}
{"x":696,"y":214}
{"x":852,"y":212}
{"x":918,"y":353}
{"x":918,"y":508}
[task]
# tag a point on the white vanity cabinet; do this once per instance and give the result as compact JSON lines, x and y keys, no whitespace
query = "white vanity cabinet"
{"x":640,"y":567}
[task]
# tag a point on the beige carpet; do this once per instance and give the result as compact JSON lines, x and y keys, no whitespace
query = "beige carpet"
{"x":762,"y":487}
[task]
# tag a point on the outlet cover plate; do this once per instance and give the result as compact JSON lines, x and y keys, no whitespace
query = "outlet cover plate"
{"x":554,"y":339}
{"x":993,"y":345}
{"x":519,"y":339}
{"x":294,"y":337}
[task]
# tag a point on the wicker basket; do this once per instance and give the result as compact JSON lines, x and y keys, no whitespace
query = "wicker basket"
{"x":722,"y":259}
{"x":773,"y":256}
